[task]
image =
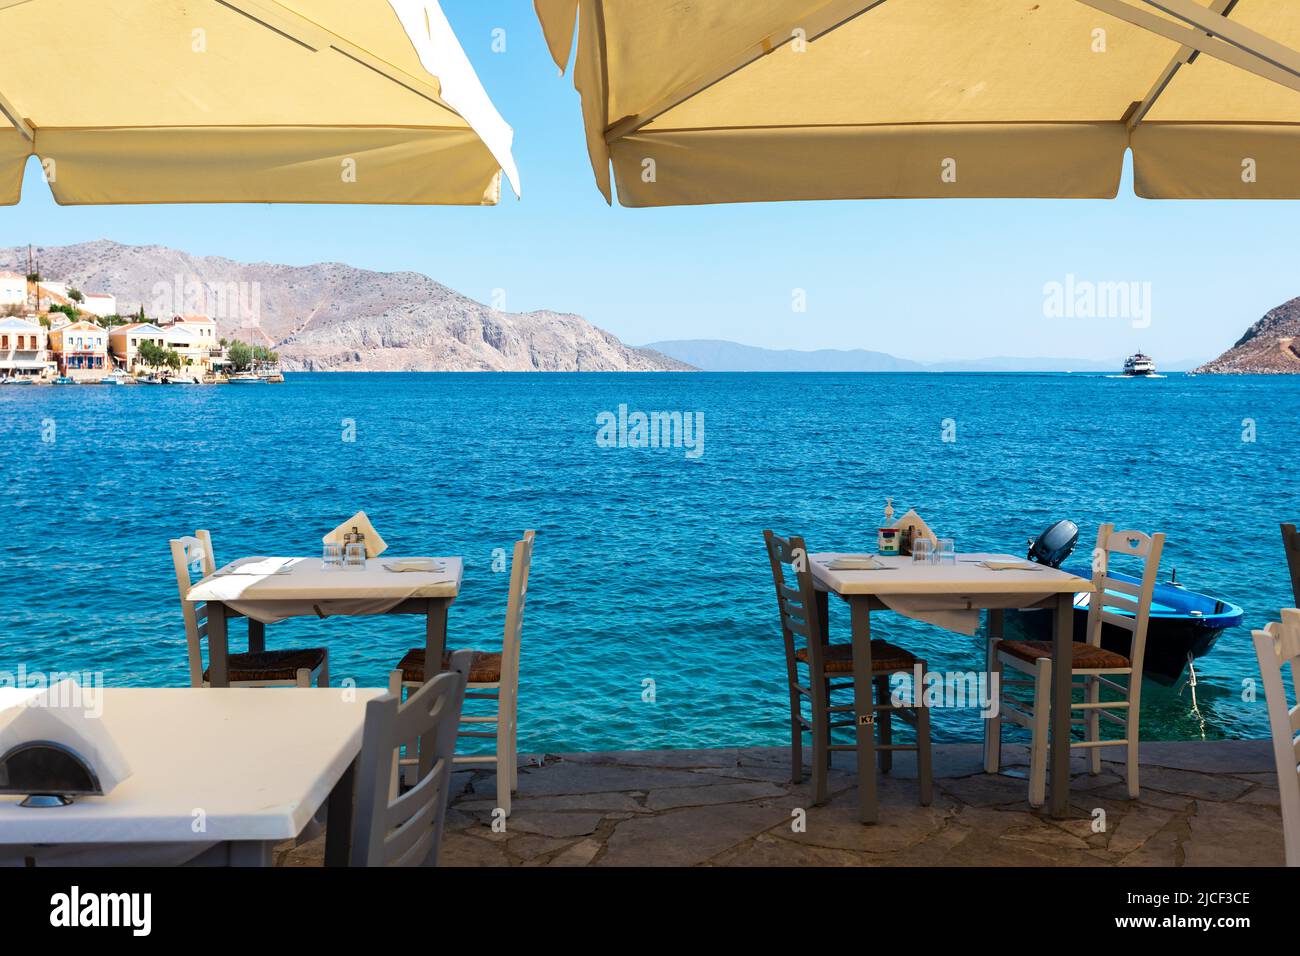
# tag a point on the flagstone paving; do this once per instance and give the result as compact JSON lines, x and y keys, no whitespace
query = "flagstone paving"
{"x":1204,"y":803}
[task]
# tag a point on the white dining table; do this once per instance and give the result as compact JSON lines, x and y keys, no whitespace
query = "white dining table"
{"x":270,"y":589}
{"x":923,"y":589}
{"x":218,"y":776}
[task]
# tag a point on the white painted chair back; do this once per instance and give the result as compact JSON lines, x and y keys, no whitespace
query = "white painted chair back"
{"x":193,"y":559}
{"x":1277,"y":647}
{"x":512,"y":640}
{"x":393,"y":829}
{"x":1113,"y":594}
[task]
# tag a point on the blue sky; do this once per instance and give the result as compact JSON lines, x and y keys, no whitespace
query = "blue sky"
{"x":925,"y":280}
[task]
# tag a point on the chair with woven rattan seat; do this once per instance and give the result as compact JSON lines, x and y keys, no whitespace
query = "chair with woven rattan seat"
{"x":192,"y":559}
{"x":493,"y":676}
{"x":804,"y":629}
{"x":393,"y":826}
{"x":1116,"y":602}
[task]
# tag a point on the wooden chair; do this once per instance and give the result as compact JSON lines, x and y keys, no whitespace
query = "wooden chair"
{"x":287,"y":668}
{"x":1291,"y":542}
{"x":805,"y":632}
{"x":1095,"y":665}
{"x":1277,"y":646}
{"x":392,"y":827}
{"x":493,"y":676}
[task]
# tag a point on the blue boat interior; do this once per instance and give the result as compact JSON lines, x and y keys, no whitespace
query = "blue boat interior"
{"x":1172,"y":601}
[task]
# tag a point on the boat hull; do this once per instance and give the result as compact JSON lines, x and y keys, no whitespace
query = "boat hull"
{"x":1183,"y":623}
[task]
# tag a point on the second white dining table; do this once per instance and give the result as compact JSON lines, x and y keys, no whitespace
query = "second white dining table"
{"x":266,"y":590}
{"x":964,"y":585}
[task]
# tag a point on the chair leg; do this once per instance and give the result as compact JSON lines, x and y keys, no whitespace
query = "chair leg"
{"x":821,"y":736}
{"x":1094,"y":725}
{"x":510,"y":715}
{"x":1132,"y":734}
{"x":830,"y":754}
{"x":304,"y":677}
{"x":993,"y":725}
{"x":924,"y":772}
{"x":323,"y":678}
{"x":503,"y":770}
{"x":1042,"y":715}
{"x":884,"y":758}
{"x":796,"y":738}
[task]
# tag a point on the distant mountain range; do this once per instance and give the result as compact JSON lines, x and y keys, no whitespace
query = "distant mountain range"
{"x":715,"y":355}
{"x":1270,"y":347}
{"x":334,"y":317}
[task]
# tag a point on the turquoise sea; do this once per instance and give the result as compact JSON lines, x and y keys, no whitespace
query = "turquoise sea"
{"x":649,"y":563}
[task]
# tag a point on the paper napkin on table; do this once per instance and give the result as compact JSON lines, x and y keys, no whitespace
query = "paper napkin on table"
{"x":374,"y":544}
{"x":416,"y":564}
{"x":852,"y":562}
{"x":258,"y":566}
{"x":65,"y":713}
{"x":1010,"y":565}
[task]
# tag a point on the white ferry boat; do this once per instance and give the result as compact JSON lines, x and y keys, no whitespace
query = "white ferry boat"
{"x":1139,"y":364}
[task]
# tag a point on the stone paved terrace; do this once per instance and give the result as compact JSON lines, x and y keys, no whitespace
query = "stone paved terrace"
{"x":1203,"y":804}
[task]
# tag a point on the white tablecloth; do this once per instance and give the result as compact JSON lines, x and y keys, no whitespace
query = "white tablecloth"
{"x":949,"y":595}
{"x":305,"y":588}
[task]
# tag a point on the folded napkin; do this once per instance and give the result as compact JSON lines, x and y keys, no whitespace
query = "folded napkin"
{"x":851,"y":562}
{"x":415,"y":564}
{"x":1010,"y":565}
{"x":64,"y":713}
{"x":374,"y":544}
{"x":258,"y":566}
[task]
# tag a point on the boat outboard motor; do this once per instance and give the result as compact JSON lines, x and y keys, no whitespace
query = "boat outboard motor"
{"x":1055,"y":544}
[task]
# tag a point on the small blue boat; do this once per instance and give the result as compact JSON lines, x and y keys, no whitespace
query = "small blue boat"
{"x":65,"y":380}
{"x":1184,"y":624}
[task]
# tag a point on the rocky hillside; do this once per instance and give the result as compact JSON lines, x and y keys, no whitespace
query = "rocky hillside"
{"x":1270,"y":347}
{"x":333,"y":316}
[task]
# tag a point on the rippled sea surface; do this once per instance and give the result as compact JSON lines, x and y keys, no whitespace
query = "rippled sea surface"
{"x":649,"y":566}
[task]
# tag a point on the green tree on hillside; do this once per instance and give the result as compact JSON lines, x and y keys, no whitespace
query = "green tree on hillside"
{"x":76,"y":296}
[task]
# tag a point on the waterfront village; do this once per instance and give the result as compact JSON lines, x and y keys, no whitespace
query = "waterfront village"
{"x":52,"y":333}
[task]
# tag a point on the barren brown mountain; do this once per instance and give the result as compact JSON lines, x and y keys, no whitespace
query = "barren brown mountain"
{"x":1270,"y":347}
{"x":332,"y":316}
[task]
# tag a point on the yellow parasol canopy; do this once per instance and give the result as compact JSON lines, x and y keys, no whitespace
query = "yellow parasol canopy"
{"x":312,"y":101}
{"x":721,"y":101}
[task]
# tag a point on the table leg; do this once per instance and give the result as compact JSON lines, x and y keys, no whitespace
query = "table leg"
{"x":1062,"y":659}
{"x":993,"y":725}
{"x":256,"y":636}
{"x":338,"y":819}
{"x":435,"y":637}
{"x":860,"y":622}
{"x":218,"y":646}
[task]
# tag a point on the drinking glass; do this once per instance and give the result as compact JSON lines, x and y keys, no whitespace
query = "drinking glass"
{"x":922,"y":551}
{"x":947,"y":553}
{"x":331,"y":556}
{"x":354,"y":557}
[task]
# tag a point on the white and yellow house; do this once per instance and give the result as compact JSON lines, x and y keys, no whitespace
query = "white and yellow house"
{"x":194,"y":337}
{"x":80,"y":350}
{"x":124,"y":342}
{"x":23,"y":350}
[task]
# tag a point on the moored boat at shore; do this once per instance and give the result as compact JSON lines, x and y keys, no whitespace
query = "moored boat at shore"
{"x":1184,"y":624}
